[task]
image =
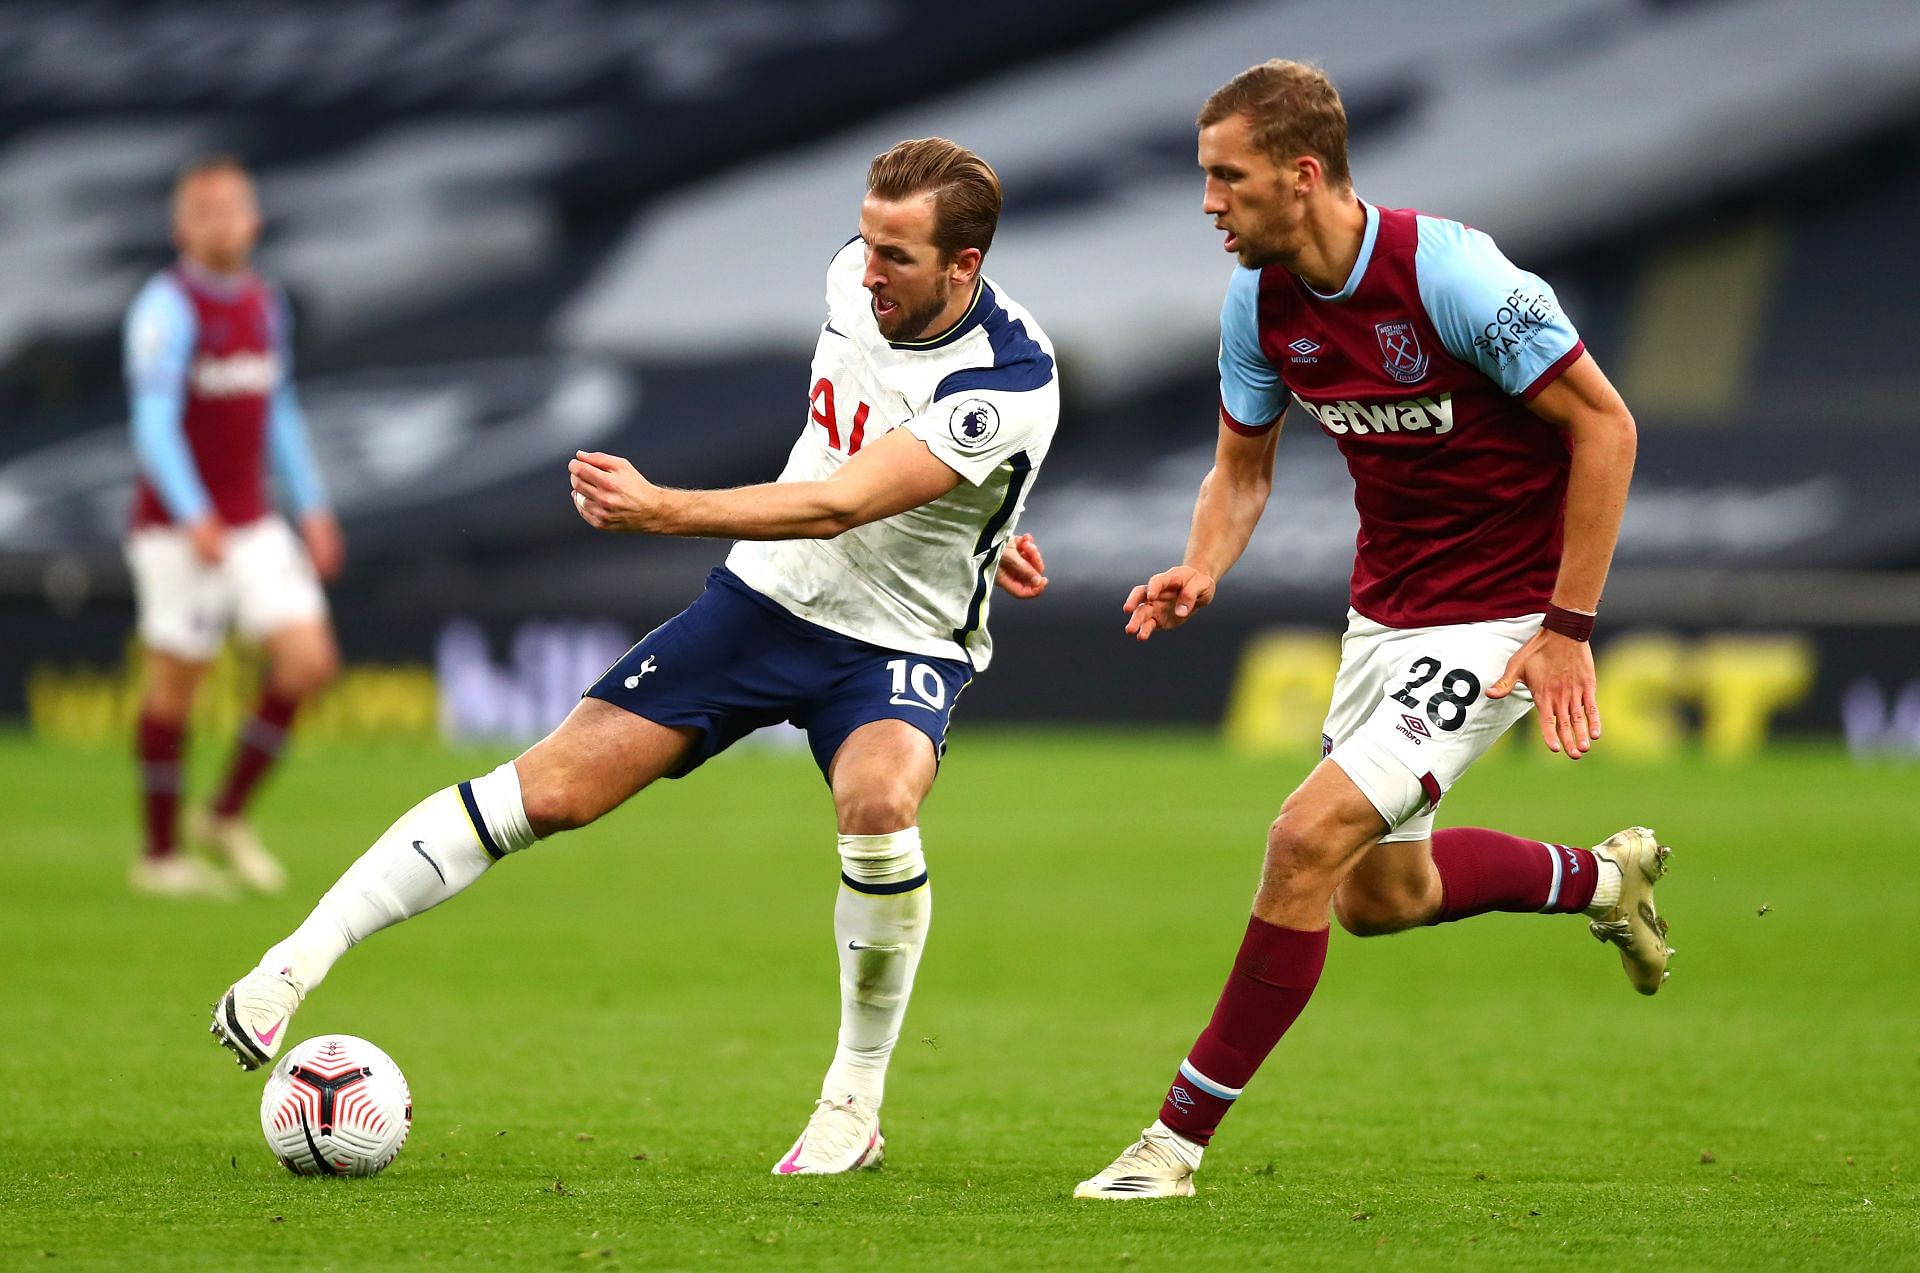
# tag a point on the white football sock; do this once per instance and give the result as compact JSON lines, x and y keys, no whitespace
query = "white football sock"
{"x":880,"y":926}
{"x":437,"y":848}
{"x":1606,"y":893}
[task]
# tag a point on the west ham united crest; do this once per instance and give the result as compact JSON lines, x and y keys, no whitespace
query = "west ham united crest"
{"x":1403,"y":358}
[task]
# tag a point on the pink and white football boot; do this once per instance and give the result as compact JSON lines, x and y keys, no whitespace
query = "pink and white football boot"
{"x":842,"y":1135}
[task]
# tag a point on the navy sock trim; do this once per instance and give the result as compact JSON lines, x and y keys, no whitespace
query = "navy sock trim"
{"x":881,"y":890}
{"x":479,"y":823}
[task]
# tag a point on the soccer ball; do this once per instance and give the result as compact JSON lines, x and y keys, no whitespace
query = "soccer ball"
{"x":336,"y":1106}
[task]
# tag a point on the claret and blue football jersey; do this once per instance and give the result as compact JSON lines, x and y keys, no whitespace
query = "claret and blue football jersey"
{"x":1420,"y":369}
{"x":208,"y":365}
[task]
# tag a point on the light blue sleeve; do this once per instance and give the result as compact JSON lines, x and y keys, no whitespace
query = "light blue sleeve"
{"x":158,"y":346}
{"x":1489,"y":312}
{"x":1250,"y":388}
{"x":288,"y":445}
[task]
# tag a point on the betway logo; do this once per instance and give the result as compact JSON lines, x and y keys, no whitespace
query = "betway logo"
{"x":1409,"y":415}
{"x":236,"y":376}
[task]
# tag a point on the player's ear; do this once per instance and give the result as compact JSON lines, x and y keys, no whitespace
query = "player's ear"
{"x":1308,"y":174}
{"x":964,"y":267}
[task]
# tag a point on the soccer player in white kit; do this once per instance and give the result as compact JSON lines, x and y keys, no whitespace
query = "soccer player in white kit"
{"x":855,"y":606}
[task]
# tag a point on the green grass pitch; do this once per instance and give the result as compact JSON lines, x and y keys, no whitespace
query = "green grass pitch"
{"x":612,"y":1037}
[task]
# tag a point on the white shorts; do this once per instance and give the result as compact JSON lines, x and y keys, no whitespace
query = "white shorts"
{"x":264,"y":582}
{"x":1410,"y":712}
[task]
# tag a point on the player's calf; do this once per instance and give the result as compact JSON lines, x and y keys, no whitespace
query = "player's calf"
{"x":435,"y":850}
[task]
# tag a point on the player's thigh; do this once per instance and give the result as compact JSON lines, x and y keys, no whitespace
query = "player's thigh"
{"x":879,"y":728}
{"x":727,"y":665}
{"x":1429,"y":717}
{"x":275,"y":589}
{"x":879,"y":776}
{"x":182,"y":604}
{"x":593,"y":761}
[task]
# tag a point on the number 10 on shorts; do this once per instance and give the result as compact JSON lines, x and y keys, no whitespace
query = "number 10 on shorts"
{"x":927,"y":689}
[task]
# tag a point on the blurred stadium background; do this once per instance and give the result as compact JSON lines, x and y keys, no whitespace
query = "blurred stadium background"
{"x":514,"y":229}
{"x":510,"y":230}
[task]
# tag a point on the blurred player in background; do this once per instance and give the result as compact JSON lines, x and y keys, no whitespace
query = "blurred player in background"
{"x":209,"y":372}
{"x":1491,"y":460}
{"x":855,"y":606}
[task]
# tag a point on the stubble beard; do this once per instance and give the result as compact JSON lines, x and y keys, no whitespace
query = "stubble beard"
{"x":912,"y":324}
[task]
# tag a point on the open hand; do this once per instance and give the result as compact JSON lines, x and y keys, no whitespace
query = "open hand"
{"x":1559,"y":671}
{"x":1167,"y":600}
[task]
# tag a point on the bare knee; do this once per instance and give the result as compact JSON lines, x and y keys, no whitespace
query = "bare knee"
{"x":305,"y":674}
{"x":1309,"y":839}
{"x":876,"y":808}
{"x":171,"y":686}
{"x":1300,"y":866}
{"x":1311,"y":847}
{"x":554,"y":801}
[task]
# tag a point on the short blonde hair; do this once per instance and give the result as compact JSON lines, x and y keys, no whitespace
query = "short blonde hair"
{"x":212,"y":162}
{"x":965,"y":189}
{"x":1294,"y":109}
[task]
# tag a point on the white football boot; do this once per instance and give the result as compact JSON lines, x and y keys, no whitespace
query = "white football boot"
{"x":232,"y":843}
{"x":841,"y":1136}
{"x":251,"y":1018}
{"x":1158,"y":1165}
{"x":1632,"y":924}
{"x":177,"y":875}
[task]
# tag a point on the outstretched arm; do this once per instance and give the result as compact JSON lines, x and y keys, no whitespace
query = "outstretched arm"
{"x":1232,"y":497}
{"x":1558,"y":668}
{"x":895,"y":473}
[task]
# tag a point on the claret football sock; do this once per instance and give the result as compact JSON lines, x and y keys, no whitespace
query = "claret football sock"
{"x":158,"y":744}
{"x":261,"y":740}
{"x":437,"y":848}
{"x":1273,"y":977}
{"x":1482,"y":871}
{"x":880,"y":925}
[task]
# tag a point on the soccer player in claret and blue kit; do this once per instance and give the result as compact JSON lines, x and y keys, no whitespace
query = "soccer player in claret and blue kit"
{"x":209,"y":372}
{"x":1490,"y":461}
{"x":855,"y":605}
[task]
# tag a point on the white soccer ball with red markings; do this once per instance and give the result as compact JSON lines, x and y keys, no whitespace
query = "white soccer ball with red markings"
{"x":336,"y":1106}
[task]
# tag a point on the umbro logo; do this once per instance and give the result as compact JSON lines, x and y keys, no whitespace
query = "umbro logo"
{"x":1412,"y":728}
{"x":633,"y":682}
{"x":1303,"y":347}
{"x":1180,"y":1096}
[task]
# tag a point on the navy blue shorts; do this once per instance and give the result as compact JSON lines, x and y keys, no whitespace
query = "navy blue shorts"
{"x":735,"y":661}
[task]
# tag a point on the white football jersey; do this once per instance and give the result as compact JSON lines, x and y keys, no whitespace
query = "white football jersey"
{"x":984,"y":399}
